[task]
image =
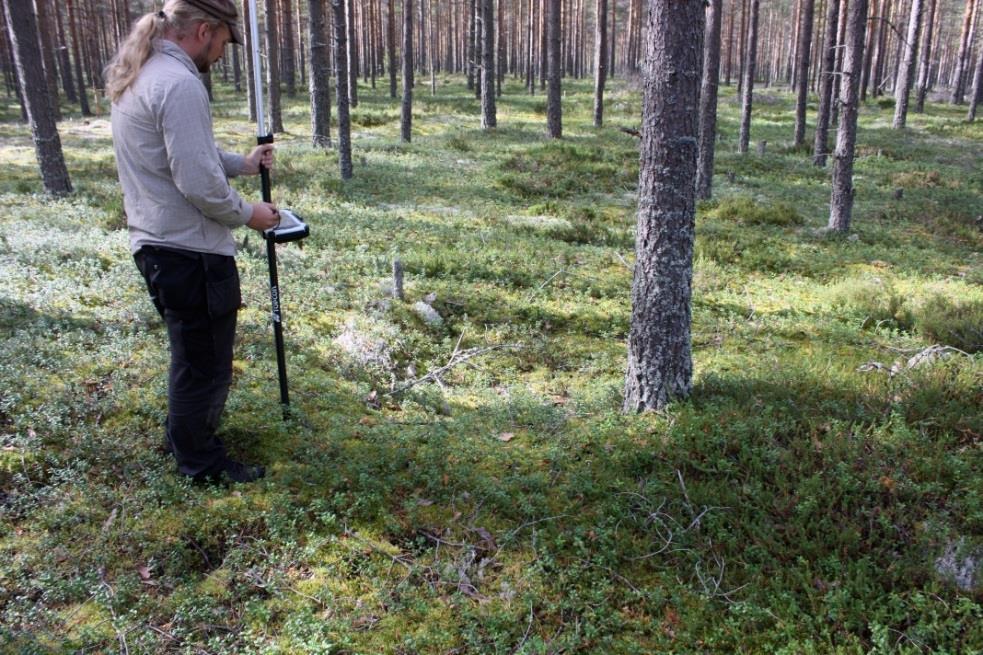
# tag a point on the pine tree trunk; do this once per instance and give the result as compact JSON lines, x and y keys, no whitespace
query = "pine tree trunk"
{"x":834,"y":117}
{"x":870,"y":47}
{"x":289,"y":67}
{"x":977,"y":91}
{"x":821,"y":144}
{"x":341,"y":88}
{"x":77,"y":56}
{"x":391,"y":46}
{"x":22,"y":31}
{"x":708,"y":101}
{"x":925,"y":63}
{"x":877,"y":73}
{"x":64,"y":61}
{"x":352,"y":55}
{"x":554,"y":110}
{"x":319,"y":76}
{"x":273,"y":68}
{"x":906,"y":71}
{"x":802,"y":70}
{"x":600,"y":61}
{"x":488,"y":117}
{"x":406,"y":108}
{"x":471,"y":58}
{"x":47,"y":46}
{"x":660,"y":361}
{"x":841,"y":199}
{"x":747,"y":85}
{"x":236,"y":70}
{"x":730,"y":41}
{"x":959,"y":87}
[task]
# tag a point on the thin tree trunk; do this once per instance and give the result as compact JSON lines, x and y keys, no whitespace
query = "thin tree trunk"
{"x":64,"y":61}
{"x":730,"y":41}
{"x":391,"y":45}
{"x":977,"y":91}
{"x":708,"y":101}
{"x":47,"y":46}
{"x":22,"y":31}
{"x":834,"y":117}
{"x":600,"y":63}
{"x":273,"y":68}
{"x":906,"y":71}
{"x":289,"y":67}
{"x":959,"y":88}
{"x":869,"y":49}
{"x":877,"y":73}
{"x":470,"y":64}
{"x":77,"y":56}
{"x":341,"y":87}
{"x":802,"y":72}
{"x":319,"y":77}
{"x":841,"y":198}
{"x":748,"y":83}
{"x":248,"y":46}
{"x":660,"y":361}
{"x":488,"y":117}
{"x":828,"y":74}
{"x":742,"y":47}
{"x":925,"y":64}
{"x":554,"y":111}
{"x":406,"y":109}
{"x":352,"y":55}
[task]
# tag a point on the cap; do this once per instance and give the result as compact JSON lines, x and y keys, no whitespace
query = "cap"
{"x":223,"y":10}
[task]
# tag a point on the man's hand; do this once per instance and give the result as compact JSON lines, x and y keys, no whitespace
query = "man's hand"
{"x":262,"y":154}
{"x":265,"y":216}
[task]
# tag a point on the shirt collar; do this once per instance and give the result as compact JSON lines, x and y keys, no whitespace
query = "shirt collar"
{"x":167,"y":47}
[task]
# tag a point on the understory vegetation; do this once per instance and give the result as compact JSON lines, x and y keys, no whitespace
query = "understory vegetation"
{"x":803,"y":500}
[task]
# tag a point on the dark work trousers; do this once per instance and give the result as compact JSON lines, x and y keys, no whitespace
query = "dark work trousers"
{"x":198,"y":296}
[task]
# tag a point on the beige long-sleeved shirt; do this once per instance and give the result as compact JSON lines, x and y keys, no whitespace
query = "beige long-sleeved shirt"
{"x":175,"y":183}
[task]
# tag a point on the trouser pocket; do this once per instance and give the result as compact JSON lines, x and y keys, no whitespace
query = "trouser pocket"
{"x":222,"y":285}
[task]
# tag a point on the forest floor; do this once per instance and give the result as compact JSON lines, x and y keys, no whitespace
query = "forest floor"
{"x":803,"y":500}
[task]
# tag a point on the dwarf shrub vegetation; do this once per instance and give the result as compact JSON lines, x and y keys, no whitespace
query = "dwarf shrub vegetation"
{"x":797,"y":502}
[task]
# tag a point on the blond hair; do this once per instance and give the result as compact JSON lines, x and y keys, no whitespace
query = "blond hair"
{"x":175,"y":19}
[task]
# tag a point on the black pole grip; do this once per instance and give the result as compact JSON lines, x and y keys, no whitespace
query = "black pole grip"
{"x":264,"y":172}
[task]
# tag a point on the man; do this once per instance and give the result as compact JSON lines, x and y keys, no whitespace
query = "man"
{"x":181,"y":211}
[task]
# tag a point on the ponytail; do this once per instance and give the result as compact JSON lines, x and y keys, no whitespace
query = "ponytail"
{"x":133,"y":53}
{"x":176,"y":18}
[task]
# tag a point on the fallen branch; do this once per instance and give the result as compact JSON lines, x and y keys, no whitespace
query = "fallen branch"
{"x":457,"y":357}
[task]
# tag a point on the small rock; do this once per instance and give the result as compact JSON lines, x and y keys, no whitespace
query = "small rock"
{"x":428,"y":314}
{"x":961,"y":565}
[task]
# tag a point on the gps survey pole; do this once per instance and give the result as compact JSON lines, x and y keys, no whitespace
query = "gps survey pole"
{"x":266,"y":136}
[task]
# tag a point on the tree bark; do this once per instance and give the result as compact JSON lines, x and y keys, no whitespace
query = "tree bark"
{"x":289,"y":67}
{"x":925,"y":64}
{"x":600,"y":63}
{"x":352,"y":56}
{"x":869,"y":49}
{"x":821,"y":144}
{"x":959,"y":88}
{"x":708,"y":101}
{"x":319,"y":76}
{"x":406,"y":109}
{"x":554,"y":110}
{"x":488,"y":118}
{"x":660,"y":362}
{"x":47,"y":46}
{"x":273,"y":67}
{"x":841,"y":200}
{"x":747,"y":86}
{"x":802,"y":70}
{"x":391,"y":46}
{"x":977,"y":92}
{"x":472,"y":57}
{"x":341,"y":88}
{"x":64,"y":61}
{"x":77,"y":56}
{"x":22,"y":30}
{"x":906,"y":70}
